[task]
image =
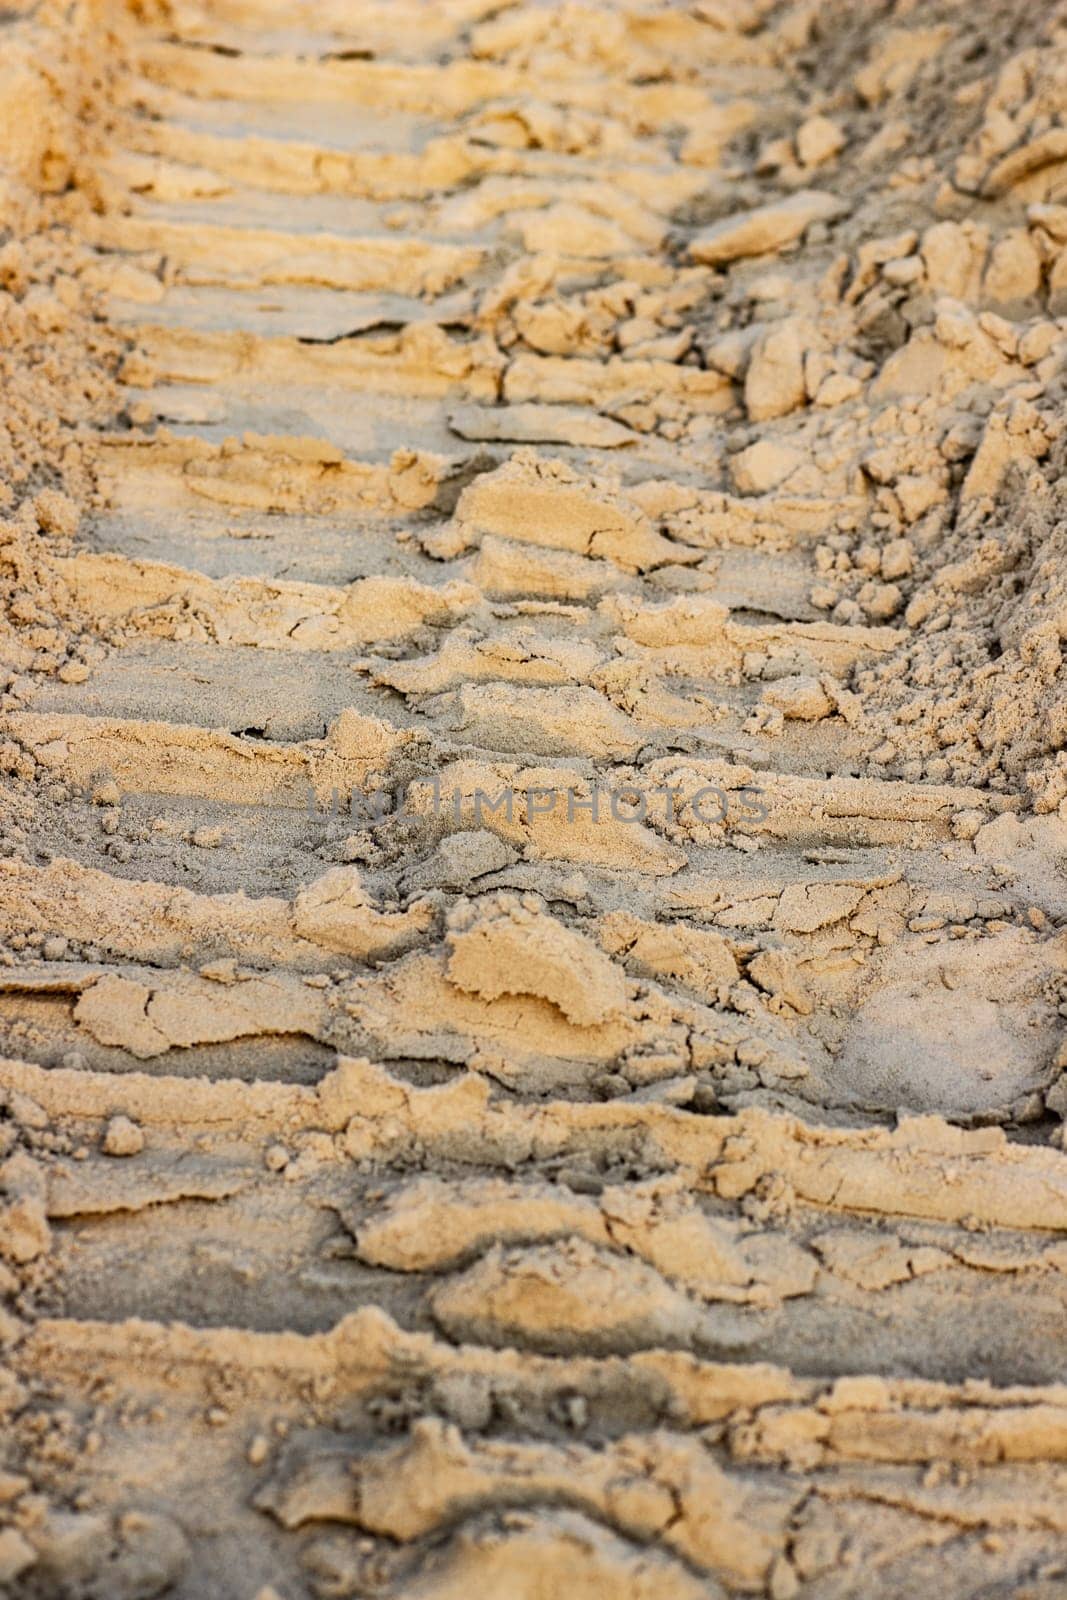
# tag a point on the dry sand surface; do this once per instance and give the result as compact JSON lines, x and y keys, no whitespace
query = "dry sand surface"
{"x":533,"y":819}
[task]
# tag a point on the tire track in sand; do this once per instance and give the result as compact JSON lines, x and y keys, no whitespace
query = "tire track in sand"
{"x":648,"y":1196}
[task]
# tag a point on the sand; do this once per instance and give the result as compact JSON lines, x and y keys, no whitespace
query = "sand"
{"x":532,"y":800}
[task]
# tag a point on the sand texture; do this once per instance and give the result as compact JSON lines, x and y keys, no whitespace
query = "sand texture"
{"x":533,"y":810}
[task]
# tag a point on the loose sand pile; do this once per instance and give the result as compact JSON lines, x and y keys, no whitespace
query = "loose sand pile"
{"x":532,"y":802}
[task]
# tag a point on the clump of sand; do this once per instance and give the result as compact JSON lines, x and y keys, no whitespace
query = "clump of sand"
{"x":58,"y":359}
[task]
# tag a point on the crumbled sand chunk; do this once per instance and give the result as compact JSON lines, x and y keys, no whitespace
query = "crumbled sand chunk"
{"x":766,"y":229}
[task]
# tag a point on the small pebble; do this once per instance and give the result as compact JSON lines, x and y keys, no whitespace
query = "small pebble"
{"x":122,"y":1138}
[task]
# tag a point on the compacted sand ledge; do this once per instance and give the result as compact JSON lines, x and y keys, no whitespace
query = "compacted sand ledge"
{"x":532,"y":814}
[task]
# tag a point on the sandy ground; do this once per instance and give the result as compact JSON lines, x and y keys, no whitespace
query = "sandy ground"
{"x":532,"y":802}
